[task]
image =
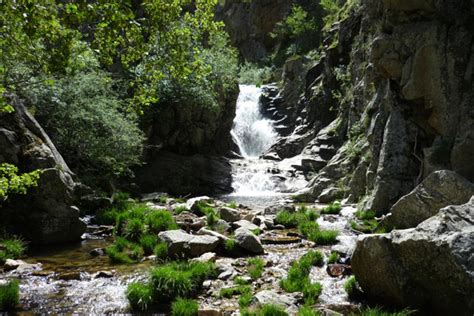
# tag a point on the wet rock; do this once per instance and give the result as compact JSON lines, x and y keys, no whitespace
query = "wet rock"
{"x":330,"y":195}
{"x":90,"y":203}
{"x":97,"y":252}
{"x":229,"y":214}
{"x":279,"y":240}
{"x":192,"y":204}
{"x":428,"y":267}
{"x":438,"y":190}
{"x":209,"y":312}
{"x":227,"y":274}
{"x":337,"y":270}
{"x":207,"y":257}
{"x":182,"y":244}
{"x":274,"y":209}
{"x":104,"y":274}
{"x":221,"y":226}
{"x":248,"y":241}
{"x":346,"y":245}
{"x":249,"y":217}
{"x":245,"y":224}
{"x":205,"y":231}
{"x":271,"y":297}
{"x":70,"y":276}
{"x":21,"y":266}
{"x":189,"y":221}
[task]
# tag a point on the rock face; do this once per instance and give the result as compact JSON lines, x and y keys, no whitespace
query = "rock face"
{"x":182,"y":244}
{"x":440,"y":189}
{"x":46,"y":214}
{"x":429,"y":267}
{"x":185,"y":145}
{"x":249,"y":24}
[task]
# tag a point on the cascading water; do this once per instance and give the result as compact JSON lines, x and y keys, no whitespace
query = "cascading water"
{"x":252,"y":132}
{"x":254,"y":135}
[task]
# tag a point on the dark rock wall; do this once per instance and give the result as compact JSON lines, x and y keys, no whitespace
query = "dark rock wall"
{"x":46,"y":214}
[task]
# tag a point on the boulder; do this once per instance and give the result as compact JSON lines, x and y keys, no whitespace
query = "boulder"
{"x":45,"y":215}
{"x":248,"y":241}
{"x":274,"y":209}
{"x":21,"y":266}
{"x":208,"y":232}
{"x":229,"y":214}
{"x":245,"y":224}
{"x":182,"y":244}
{"x":429,"y":267}
{"x":193,"y":204}
{"x":438,"y":190}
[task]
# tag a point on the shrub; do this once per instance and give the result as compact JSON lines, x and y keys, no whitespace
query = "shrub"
{"x":333,"y":208}
{"x":352,"y":288}
{"x":86,"y":120}
{"x":159,"y":221}
{"x":161,"y":251}
{"x":255,"y":267}
{"x":9,"y":295}
{"x":184,"y":307}
{"x":253,"y":74}
{"x":325,"y":237}
{"x":148,"y":242}
{"x":333,"y":258}
{"x":139,"y":295}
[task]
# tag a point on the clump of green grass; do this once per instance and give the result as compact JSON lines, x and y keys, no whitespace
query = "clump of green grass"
{"x":123,"y":251}
{"x":13,"y":248}
{"x":181,"y":209}
{"x":365,"y":215}
{"x":232,"y":204}
{"x":184,"y":307}
{"x":228,"y":292}
{"x":9,"y":295}
{"x":324,"y":237}
{"x":134,"y":229}
{"x":333,"y":258}
{"x":333,"y":208}
{"x":271,"y":310}
{"x":255,"y":267}
{"x":230,"y":245}
{"x":289,"y":220}
{"x":256,"y":231}
{"x":140,"y":296}
{"x":161,"y":251}
{"x":351,"y":287}
{"x":311,"y":292}
{"x":211,"y":217}
{"x":163,"y":199}
{"x":245,"y":299}
{"x":159,"y":221}
{"x":148,"y":243}
{"x":308,"y":228}
{"x":308,"y":311}
{"x":202,"y":208}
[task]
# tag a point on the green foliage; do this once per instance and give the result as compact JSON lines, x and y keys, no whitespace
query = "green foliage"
{"x":254,"y":74}
{"x":366,"y":222}
{"x":230,"y":246}
{"x":12,"y":248}
{"x":245,"y":299}
{"x":271,"y":310}
{"x":333,"y":208}
{"x":289,"y":220}
{"x":232,"y":204}
{"x":9,"y":295}
{"x":255,"y":267}
{"x":181,"y":209}
{"x":308,"y":311}
{"x":365,"y":215}
{"x":256,"y":231}
{"x":308,"y":229}
{"x":140,"y":296}
{"x":161,"y":251}
{"x":324,"y":237}
{"x":134,"y":229}
{"x":84,"y":117}
{"x":333,"y":258}
{"x":148,"y":242}
{"x":159,"y":221}
{"x":298,"y":277}
{"x":13,"y":183}
{"x":211,"y":217}
{"x":184,"y":307}
{"x":124,"y":251}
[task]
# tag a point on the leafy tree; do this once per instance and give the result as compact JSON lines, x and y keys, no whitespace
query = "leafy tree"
{"x":11,"y":182}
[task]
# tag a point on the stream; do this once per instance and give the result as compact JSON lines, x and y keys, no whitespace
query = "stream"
{"x":71,"y":280}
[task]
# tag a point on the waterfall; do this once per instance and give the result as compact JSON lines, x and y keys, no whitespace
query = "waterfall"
{"x":252,"y":132}
{"x":254,"y":135}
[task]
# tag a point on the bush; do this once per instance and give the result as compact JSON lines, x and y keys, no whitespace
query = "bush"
{"x":255,"y":267}
{"x":252,"y":74}
{"x":140,"y":296}
{"x":333,"y":258}
{"x":85,"y":119}
{"x":184,"y":307}
{"x":9,"y":295}
{"x":333,"y":208}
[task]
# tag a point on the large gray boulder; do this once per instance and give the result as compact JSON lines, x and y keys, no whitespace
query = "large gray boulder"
{"x":182,"y":244}
{"x":429,"y":267}
{"x":248,"y":241}
{"x":229,"y":214}
{"x":46,"y":214}
{"x":438,"y":190}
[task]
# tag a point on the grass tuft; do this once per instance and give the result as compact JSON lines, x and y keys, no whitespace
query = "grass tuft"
{"x":9,"y":295}
{"x":140,"y":296}
{"x":184,"y":307}
{"x":333,"y":208}
{"x":255,"y":267}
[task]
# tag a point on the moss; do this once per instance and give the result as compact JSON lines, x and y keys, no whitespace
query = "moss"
{"x":9,"y":295}
{"x":184,"y":307}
